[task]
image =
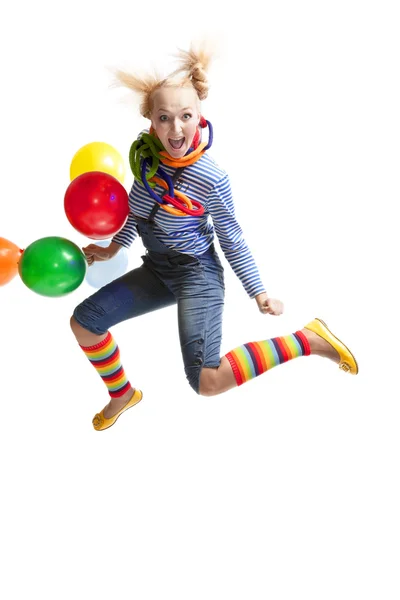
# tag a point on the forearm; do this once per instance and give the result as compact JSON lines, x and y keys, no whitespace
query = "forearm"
{"x":127,"y":234}
{"x":114,"y":248}
{"x":245,"y":268}
{"x":220,"y":207}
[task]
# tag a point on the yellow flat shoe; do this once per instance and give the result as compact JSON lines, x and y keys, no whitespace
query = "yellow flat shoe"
{"x":347,"y":361}
{"x":100,"y":422}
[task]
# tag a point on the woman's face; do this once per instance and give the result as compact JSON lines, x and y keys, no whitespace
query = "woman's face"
{"x":175,"y":116}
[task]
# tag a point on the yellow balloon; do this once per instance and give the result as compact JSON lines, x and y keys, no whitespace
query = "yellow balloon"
{"x":98,"y":156}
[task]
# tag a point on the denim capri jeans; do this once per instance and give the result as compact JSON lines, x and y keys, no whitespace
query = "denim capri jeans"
{"x":194,"y":284}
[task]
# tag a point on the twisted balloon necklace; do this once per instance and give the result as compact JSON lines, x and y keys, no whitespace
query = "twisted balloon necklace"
{"x":145,"y":156}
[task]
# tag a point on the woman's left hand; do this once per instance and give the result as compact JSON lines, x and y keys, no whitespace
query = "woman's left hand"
{"x":269,"y":306}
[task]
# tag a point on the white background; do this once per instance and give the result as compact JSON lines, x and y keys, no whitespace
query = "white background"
{"x":287,"y":487}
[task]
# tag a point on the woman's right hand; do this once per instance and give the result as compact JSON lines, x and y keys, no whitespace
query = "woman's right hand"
{"x":94,"y":253}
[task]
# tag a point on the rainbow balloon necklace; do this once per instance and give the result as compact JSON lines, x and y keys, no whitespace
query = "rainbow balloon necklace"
{"x":145,"y":156}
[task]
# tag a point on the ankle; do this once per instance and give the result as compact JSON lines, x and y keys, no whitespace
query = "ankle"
{"x":125,"y":397}
{"x":313,"y":341}
{"x":319,"y":346}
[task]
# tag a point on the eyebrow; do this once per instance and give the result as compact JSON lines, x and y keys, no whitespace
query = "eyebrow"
{"x":166,"y":110}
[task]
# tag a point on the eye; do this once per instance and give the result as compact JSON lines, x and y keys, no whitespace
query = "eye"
{"x":187,"y":116}
{"x":163,"y":118}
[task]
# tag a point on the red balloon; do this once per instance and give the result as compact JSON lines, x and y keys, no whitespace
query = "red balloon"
{"x":96,"y":205}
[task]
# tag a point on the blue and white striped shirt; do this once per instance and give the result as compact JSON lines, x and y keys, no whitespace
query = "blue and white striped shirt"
{"x":207,"y":183}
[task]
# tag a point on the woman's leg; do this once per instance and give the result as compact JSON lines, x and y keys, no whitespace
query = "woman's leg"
{"x":250,"y":360}
{"x":103,"y":352}
{"x":135,"y":293}
{"x":200,"y":313}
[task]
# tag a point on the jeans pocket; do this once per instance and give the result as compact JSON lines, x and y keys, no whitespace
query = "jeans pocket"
{"x":183,"y":260}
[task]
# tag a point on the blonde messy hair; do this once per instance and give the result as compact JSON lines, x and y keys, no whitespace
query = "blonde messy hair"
{"x":193,"y":64}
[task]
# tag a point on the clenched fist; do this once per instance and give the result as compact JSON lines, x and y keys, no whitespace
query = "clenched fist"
{"x":269,"y":306}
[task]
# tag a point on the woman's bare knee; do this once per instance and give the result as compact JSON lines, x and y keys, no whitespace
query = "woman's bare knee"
{"x":84,"y":336}
{"x":208,"y":382}
{"x":217,"y":380}
{"x":76,"y":328}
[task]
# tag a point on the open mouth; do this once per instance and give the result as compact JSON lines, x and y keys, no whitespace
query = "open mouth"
{"x":176,"y":144}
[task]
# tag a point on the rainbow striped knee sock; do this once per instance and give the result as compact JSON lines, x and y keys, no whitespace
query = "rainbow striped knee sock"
{"x":105,"y":358}
{"x":253,"y":359}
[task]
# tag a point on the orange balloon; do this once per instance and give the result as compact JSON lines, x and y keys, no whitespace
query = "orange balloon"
{"x":9,"y":257}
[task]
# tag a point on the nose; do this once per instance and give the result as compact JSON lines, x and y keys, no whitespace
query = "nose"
{"x":176,"y":126}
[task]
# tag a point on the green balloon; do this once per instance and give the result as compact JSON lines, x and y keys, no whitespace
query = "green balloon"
{"x":52,"y":266}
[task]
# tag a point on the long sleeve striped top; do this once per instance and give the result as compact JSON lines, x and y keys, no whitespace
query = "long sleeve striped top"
{"x":207,"y":183}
